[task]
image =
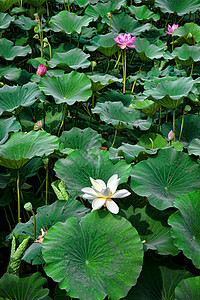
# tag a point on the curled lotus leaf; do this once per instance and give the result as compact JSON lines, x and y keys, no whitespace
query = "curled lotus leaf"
{"x":186,"y":55}
{"x":5,"y":20}
{"x":180,"y":7}
{"x":8,"y":51}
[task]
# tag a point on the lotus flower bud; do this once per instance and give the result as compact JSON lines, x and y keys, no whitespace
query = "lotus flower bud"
{"x":28,"y":206}
{"x":171,"y":135}
{"x":41,"y":70}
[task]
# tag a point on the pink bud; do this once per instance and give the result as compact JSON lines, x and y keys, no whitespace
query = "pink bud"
{"x":41,"y":70}
{"x":171,"y":135}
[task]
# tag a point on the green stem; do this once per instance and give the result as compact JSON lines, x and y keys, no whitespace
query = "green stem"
{"x":50,"y":52}
{"x":133,"y":86}
{"x":34,"y":224}
{"x":181,"y":127}
{"x":21,"y":3}
{"x":65,"y":5}
{"x":93,"y":100}
{"x":63,"y":119}
{"x":174,"y":124}
{"x":167,"y":20}
{"x":172,"y":44}
{"x":18,"y":197}
{"x":166,"y":115}
{"x":119,"y":56}
{"x":114,"y":137}
{"x":47,"y":8}
{"x":160,"y":117}
{"x":7,"y":219}
{"x":108,"y":65}
{"x":152,"y":146}
{"x":11,"y":213}
{"x":124,"y":70}
{"x":192,"y":70}
{"x":110,"y":26}
{"x":68,"y":6}
{"x":40,"y":187}
{"x":86,"y":109}
{"x":47,"y":183}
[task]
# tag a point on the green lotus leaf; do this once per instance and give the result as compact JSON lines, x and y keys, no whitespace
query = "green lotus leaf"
{"x":187,"y":28}
{"x":101,"y":9}
{"x":105,"y":44}
{"x":194,"y":147}
{"x":120,"y":116}
{"x":67,"y":88}
{"x":8,"y":125}
{"x":152,"y":226}
{"x":25,"y":23}
{"x":5,"y":20}
{"x":21,"y":147}
{"x":85,"y":139}
{"x":100,"y":244}
{"x":33,"y":255}
{"x":9,"y":52}
{"x":80,"y":165}
{"x":143,"y":13}
{"x":147,"y":50}
{"x":13,"y":97}
{"x":191,"y":128}
{"x":170,"y":93}
{"x":123,"y":22}
{"x":29,"y":288}
{"x":48,"y":215}
{"x":185,"y":225}
{"x":99,"y":81}
{"x":36,"y":3}
{"x":188,"y":289}
{"x":152,"y":141}
{"x":180,"y":7}
{"x":158,"y":280}
{"x":6,"y":4}
{"x":4,"y":180}
{"x":69,"y":22}
{"x":186,"y":55}
{"x":163,"y":178}
{"x":130,"y":152}
{"x":10,"y":73}
{"x":112,"y":95}
{"x":72,"y":59}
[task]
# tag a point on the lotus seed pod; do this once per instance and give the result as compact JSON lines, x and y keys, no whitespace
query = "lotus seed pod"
{"x":28,"y":206}
{"x":93,"y":64}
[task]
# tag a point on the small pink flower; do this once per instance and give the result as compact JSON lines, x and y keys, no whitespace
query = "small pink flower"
{"x":172,"y":28}
{"x":125,"y":41}
{"x":171,"y":135}
{"x":41,"y":70}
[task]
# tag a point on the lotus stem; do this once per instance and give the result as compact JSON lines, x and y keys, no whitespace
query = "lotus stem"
{"x":34,"y":219}
{"x":160,"y":117}
{"x":18,"y":197}
{"x":166,"y":115}
{"x":68,"y":6}
{"x":108,"y":65}
{"x":114,"y":137}
{"x":65,"y":5}
{"x":181,"y":127}
{"x":119,"y":56}
{"x":86,"y":109}
{"x":47,"y":183}
{"x":167,"y":20}
{"x":21,"y":3}
{"x":192,"y":70}
{"x":63,"y":119}
{"x":93,"y":100}
{"x":174,"y":125}
{"x":172,"y":44}
{"x":124,"y":70}
{"x":50,"y":52}
{"x":152,"y":146}
{"x":133,"y":86}
{"x":7,"y":219}
{"x":110,"y":25}
{"x":11,"y":213}
{"x":47,"y":8}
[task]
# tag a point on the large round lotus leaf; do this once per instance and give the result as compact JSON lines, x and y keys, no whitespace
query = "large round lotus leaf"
{"x":191,"y":128}
{"x":81,"y":139}
{"x":151,"y":224}
{"x":185,"y":225}
{"x":67,"y":88}
{"x":105,"y":43}
{"x":5,"y":20}
{"x":112,"y":95}
{"x":187,"y":28}
{"x":10,"y":73}
{"x":80,"y":165}
{"x":143,"y":13}
{"x":158,"y":280}
{"x":186,"y":55}
{"x":164,"y":177}
{"x":9,"y":52}
{"x":188,"y":289}
{"x":194,"y":147}
{"x":120,"y":116}
{"x":21,"y":147}
{"x":180,"y":7}
{"x":101,"y":9}
{"x":25,"y":23}
{"x":27,"y":288}
{"x":8,"y":125}
{"x":101,"y":255}
{"x":48,"y":215}
{"x":170,"y":93}
{"x":123,"y":22}
{"x":69,"y":22}
{"x":147,"y":50}
{"x":13,"y":97}
{"x":72,"y":59}
{"x":6,"y":4}
{"x":36,"y":3}
{"x":99,"y":81}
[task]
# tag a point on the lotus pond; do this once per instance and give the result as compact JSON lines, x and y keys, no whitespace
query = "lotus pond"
{"x":99,"y":149}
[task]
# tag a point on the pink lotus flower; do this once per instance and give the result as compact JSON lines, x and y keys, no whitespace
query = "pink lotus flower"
{"x":41,"y":70}
{"x":172,"y":28}
{"x":171,"y":135}
{"x":125,"y":41}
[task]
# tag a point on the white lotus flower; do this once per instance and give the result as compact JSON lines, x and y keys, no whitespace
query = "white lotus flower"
{"x":102,"y":195}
